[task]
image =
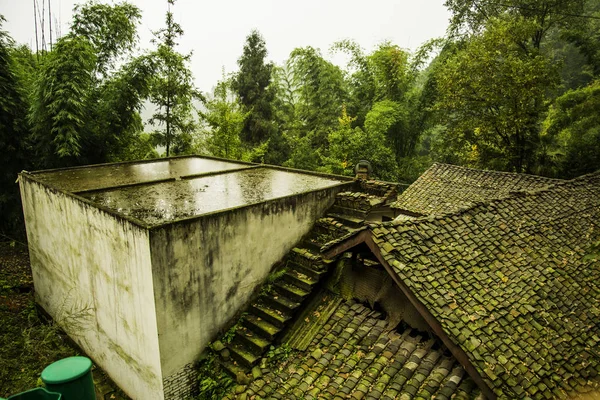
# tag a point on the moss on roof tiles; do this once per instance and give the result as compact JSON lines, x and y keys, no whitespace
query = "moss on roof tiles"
{"x":509,"y":283}
{"x":445,"y":188}
{"x":356,"y":356}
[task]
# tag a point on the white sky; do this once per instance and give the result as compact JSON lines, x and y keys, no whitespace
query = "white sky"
{"x":215,"y":31}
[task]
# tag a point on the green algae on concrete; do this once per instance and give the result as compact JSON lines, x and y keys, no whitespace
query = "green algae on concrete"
{"x":169,"y":201}
{"x":111,"y":175}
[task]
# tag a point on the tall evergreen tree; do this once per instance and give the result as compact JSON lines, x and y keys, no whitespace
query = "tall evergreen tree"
{"x":253,"y":86}
{"x":172,"y":90}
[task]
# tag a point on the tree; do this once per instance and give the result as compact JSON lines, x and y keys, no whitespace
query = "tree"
{"x":13,"y":132}
{"x":574,"y":122}
{"x":60,"y":108}
{"x":492,"y":93}
{"x":362,"y":84}
{"x":348,"y":145}
{"x":322,"y":91}
{"x":225,"y":119}
{"x":474,"y":15}
{"x":82,"y":111}
{"x":110,"y":29}
{"x":172,"y":90}
{"x":286,"y":100}
{"x":383,"y":94}
{"x":253,"y":86}
{"x":585,"y":34}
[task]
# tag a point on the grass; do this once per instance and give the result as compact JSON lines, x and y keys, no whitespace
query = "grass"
{"x":27,"y":344}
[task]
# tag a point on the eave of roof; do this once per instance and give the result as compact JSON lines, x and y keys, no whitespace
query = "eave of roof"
{"x":474,"y":271}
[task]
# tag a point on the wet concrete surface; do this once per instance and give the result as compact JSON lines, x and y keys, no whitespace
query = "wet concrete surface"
{"x":105,"y":176}
{"x":163,"y":202}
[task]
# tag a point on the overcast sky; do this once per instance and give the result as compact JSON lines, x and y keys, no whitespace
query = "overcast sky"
{"x":216,"y":30}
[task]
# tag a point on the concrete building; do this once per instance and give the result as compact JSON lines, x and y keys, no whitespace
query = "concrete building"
{"x":144,"y":263}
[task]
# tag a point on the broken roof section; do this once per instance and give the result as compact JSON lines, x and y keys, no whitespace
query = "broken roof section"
{"x":445,"y":188}
{"x":356,"y":355}
{"x":509,"y":283}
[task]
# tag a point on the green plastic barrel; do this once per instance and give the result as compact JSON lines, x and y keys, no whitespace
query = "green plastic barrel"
{"x":71,"y":377}
{"x":36,"y":394}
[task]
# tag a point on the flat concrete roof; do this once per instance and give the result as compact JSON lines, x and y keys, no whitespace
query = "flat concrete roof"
{"x":109,"y":175}
{"x":163,"y":202}
{"x":156,"y":192}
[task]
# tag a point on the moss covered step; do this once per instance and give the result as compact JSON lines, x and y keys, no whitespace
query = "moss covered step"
{"x":280,"y":302}
{"x":304,"y":257}
{"x":275,"y":317}
{"x":260,"y":326}
{"x":233,"y":368}
{"x":312,"y":245}
{"x":300,"y":279}
{"x":290,"y":291}
{"x":351,"y":212}
{"x":329,"y":229}
{"x":351,"y":222}
{"x":245,"y":357}
{"x":308,"y":271}
{"x":251,"y":340}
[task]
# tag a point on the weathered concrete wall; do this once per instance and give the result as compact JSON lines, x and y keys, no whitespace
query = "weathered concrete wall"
{"x":92,"y":274}
{"x":206,"y":269}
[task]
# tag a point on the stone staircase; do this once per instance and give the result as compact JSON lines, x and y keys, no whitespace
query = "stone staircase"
{"x":302,"y":271}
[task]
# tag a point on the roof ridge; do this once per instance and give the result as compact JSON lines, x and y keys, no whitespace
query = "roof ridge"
{"x":513,"y":194}
{"x":494,"y":172}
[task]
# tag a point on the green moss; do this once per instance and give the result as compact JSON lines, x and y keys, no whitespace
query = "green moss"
{"x":214,"y":383}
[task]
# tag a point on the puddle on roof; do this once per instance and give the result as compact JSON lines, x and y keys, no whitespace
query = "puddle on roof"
{"x":106,"y":176}
{"x":168,"y":201}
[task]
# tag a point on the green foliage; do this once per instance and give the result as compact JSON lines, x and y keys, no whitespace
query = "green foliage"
{"x":13,"y":133}
{"x":493,"y":94}
{"x":574,"y":123}
{"x":110,"y":29}
{"x":475,"y":15}
{"x":304,"y":154}
{"x":274,"y":276}
{"x":81,"y":112}
{"x":321,"y":93}
{"x":347,"y":146}
{"x":392,"y":72}
{"x":593,"y":252}
{"x":28,"y":344}
{"x":172,"y":91}
{"x":225,"y":120}
{"x":585,"y":35}
{"x":276,"y":355}
{"x":253,"y":86}
{"x":214,"y":383}
{"x":60,"y":110}
{"x":382,"y":93}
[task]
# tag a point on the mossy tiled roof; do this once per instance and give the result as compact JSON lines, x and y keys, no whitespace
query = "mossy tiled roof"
{"x":510,"y":283}
{"x":445,"y":188}
{"x":354,"y":356}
